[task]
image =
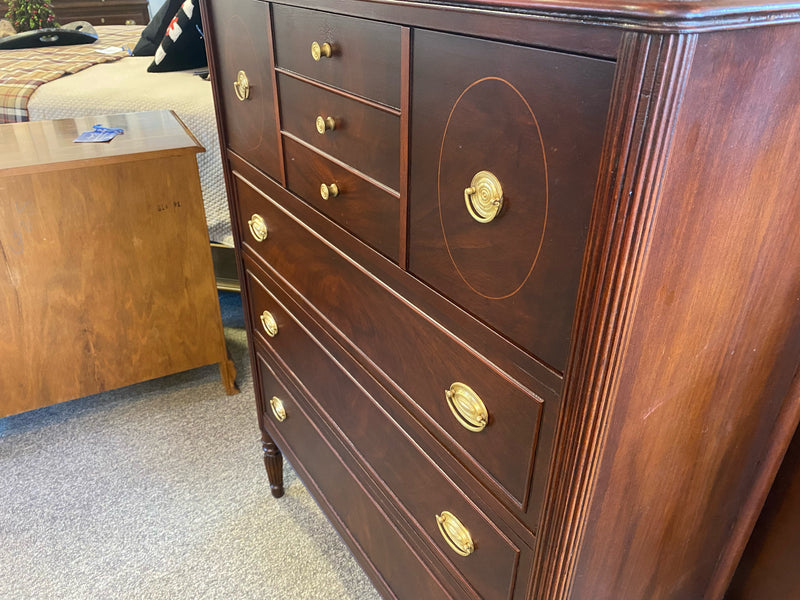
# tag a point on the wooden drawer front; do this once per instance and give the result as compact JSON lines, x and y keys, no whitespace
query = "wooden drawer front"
{"x":421,"y":488}
{"x":251,"y":128}
{"x":422,"y":359}
{"x":366,"y":211}
{"x":362,"y":523}
{"x":364,"y":136}
{"x":365,"y":55}
{"x":535,"y":120}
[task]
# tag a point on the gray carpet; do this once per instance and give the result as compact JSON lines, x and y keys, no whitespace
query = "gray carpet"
{"x":158,"y":491}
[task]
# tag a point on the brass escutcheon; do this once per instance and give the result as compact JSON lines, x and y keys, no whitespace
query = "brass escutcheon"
{"x":467,"y":406}
{"x":269,"y":323}
{"x":484,"y":197}
{"x":258,"y":227}
{"x":318,"y":51}
{"x":277,"y":408}
{"x":455,"y":534}
{"x":242,"y":86}
{"x":324,"y":124}
{"x":328,"y":191}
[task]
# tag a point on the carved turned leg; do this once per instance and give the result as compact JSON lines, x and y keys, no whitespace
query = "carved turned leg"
{"x":273,"y":461}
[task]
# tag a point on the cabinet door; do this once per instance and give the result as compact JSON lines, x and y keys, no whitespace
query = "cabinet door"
{"x":522,"y":124}
{"x":244,"y":80}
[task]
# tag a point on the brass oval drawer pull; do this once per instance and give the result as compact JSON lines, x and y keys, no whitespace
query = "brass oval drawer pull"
{"x":258,"y":227}
{"x":484,"y":197}
{"x":277,"y":408}
{"x":269,"y":323}
{"x":319,"y":51}
{"x":328,"y":191}
{"x":467,"y":406}
{"x":242,"y":86}
{"x":325,"y":124}
{"x":455,"y":534}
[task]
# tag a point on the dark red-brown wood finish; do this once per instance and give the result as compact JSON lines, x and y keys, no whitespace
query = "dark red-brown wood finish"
{"x":588,"y":396}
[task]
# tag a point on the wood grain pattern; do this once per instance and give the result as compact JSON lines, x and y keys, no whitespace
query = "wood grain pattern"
{"x":722,"y":275}
{"x":364,"y":137}
{"x":341,"y":399}
{"x":348,"y":300}
{"x":106,"y":275}
{"x":251,"y":127}
{"x":484,"y":106}
{"x":365,"y":54}
{"x":373,"y":537}
{"x":365,"y":210}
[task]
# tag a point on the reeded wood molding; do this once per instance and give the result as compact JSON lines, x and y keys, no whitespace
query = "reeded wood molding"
{"x":654,"y":69}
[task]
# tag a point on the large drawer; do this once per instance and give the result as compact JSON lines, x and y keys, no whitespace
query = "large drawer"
{"x":363,"y":136}
{"x":421,"y":488}
{"x":496,"y":121}
{"x":364,"y":525}
{"x":365,"y":210}
{"x":246,"y":93}
{"x":364,"y":55}
{"x":421,"y":358}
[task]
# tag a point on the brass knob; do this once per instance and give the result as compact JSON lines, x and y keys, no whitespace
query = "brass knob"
{"x":467,"y":406}
{"x":325,"y":124}
{"x":269,"y":323}
{"x":455,"y":534}
{"x":328,"y":191}
{"x":484,"y":197}
{"x":317,"y":51}
{"x":242,"y":86}
{"x":277,"y":408}
{"x":258,"y":227}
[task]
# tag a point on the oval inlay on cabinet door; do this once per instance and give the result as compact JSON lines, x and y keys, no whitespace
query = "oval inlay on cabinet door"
{"x":509,"y":145}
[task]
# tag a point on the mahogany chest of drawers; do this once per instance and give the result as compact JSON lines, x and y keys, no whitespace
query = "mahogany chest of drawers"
{"x":522,"y":280}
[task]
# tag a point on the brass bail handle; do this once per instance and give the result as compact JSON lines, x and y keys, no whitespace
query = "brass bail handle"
{"x":269,"y":323}
{"x":467,"y":407}
{"x":242,"y":86}
{"x":277,"y":408}
{"x":258,"y":227}
{"x":484,"y":197}
{"x":455,"y":534}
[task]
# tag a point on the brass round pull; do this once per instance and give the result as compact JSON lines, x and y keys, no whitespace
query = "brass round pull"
{"x":258,"y":227}
{"x":328,"y":191}
{"x":242,"y":86}
{"x":455,"y":534}
{"x":325,"y":124}
{"x":269,"y":323}
{"x":317,"y":51}
{"x":484,"y":197}
{"x":277,"y":408}
{"x":466,"y":405}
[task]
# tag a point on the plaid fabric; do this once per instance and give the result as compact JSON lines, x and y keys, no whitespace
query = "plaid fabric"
{"x":24,"y":70}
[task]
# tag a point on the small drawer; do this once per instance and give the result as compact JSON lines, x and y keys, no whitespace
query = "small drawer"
{"x":420,"y":357}
{"x":365,"y":137}
{"x":364,"y":55}
{"x":506,"y":145}
{"x":468,"y":539}
{"x":365,"y":210}
{"x":246,"y":93}
{"x":362,"y":523}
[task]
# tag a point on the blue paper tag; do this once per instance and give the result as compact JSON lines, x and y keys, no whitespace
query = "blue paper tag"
{"x":99,"y":134}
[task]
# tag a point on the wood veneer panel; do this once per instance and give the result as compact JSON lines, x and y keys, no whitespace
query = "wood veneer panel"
{"x":704,"y":372}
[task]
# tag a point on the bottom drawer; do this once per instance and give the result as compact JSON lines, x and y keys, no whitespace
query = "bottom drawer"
{"x":364,"y":526}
